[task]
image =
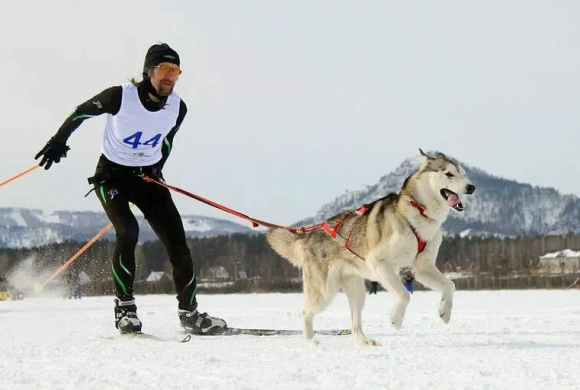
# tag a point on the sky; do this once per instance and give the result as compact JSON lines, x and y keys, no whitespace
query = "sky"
{"x":293,"y":103}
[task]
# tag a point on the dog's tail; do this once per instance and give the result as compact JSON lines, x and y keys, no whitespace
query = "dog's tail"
{"x":287,"y":244}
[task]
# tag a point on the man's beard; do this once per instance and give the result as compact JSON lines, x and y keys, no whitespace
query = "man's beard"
{"x":165,"y":89}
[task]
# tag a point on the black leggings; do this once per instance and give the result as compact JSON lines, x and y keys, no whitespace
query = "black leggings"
{"x":158,"y":208}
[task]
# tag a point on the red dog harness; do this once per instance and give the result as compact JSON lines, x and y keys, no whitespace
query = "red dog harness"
{"x":333,"y":232}
{"x":421,"y":244}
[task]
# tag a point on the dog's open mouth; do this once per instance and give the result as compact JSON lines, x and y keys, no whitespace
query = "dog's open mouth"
{"x":452,"y":199}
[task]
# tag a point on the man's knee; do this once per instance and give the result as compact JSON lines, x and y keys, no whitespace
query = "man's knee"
{"x":128,"y":234}
{"x":180,"y":253}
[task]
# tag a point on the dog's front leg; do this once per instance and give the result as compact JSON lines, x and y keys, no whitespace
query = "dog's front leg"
{"x":390,"y":281}
{"x":427,"y":274}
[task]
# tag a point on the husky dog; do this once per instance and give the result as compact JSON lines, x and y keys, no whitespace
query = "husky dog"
{"x":374,"y":242}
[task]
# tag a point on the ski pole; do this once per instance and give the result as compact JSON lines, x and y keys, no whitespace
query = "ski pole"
{"x":38,"y":286}
{"x":32,"y":168}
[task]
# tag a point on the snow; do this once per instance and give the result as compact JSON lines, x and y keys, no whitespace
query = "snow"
{"x":18,"y":219}
{"x":84,"y":278}
{"x":495,"y":340}
{"x":30,"y":237}
{"x":456,"y":275}
{"x":562,"y":253}
{"x":49,"y":217}
{"x":198,"y":225}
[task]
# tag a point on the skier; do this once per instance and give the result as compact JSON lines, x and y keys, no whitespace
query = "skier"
{"x":72,"y":286}
{"x":142,"y":120}
{"x":409,"y":279}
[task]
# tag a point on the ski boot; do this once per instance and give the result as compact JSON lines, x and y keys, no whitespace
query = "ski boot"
{"x":200,"y":323}
{"x":126,"y":319}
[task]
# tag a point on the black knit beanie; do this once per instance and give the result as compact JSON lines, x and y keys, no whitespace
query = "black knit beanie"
{"x":157,"y":54}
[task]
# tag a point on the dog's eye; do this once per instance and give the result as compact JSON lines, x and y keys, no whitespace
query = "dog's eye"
{"x":449,"y":174}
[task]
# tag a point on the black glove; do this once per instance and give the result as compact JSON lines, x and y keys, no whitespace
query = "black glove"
{"x":157,"y":174}
{"x":52,"y":152}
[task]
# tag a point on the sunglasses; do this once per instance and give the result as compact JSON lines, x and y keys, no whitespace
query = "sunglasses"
{"x":168,"y":69}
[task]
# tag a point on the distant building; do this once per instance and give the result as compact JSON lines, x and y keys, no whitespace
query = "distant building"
{"x":155,"y":276}
{"x":217,"y":273}
{"x":158,"y":282}
{"x":565,"y":261}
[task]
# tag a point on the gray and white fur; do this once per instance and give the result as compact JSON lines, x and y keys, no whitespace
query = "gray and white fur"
{"x":386,"y":237}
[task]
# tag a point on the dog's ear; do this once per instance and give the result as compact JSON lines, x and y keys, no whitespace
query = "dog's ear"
{"x":424,"y":160}
{"x":442,"y":156}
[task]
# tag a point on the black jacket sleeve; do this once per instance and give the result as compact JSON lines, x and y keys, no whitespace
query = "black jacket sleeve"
{"x":168,"y":141}
{"x":106,"y":102}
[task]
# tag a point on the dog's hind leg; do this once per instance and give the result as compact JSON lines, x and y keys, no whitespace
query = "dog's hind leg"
{"x":317,"y":298}
{"x":354,"y":289}
{"x":313,"y":306}
{"x":391,"y":282}
{"x":308,"y":324}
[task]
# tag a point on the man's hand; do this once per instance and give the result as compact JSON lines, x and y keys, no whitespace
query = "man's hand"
{"x":52,"y":152}
{"x":157,"y":174}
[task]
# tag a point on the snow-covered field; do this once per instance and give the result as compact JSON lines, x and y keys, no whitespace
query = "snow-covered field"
{"x":495,"y":340}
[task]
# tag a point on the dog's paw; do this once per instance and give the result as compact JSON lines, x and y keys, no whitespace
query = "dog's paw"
{"x":397,"y":317}
{"x":313,"y":342}
{"x":445,"y":309}
{"x":308,"y":333}
{"x":366,"y":342}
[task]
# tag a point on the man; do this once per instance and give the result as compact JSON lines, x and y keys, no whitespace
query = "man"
{"x":72,"y":284}
{"x":409,"y":279}
{"x":142,"y":120}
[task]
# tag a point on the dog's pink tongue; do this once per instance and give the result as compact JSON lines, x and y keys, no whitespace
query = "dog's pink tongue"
{"x":452,"y":200}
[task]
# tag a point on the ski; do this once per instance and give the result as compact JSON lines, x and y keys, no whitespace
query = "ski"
{"x":165,"y":339}
{"x":231,"y":332}
{"x":277,"y":332}
{"x":149,"y":336}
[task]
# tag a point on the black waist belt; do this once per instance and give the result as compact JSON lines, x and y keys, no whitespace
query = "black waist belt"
{"x":120,"y":172}
{"x":108,"y":172}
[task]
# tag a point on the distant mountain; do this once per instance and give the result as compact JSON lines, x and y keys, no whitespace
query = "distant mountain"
{"x":20,"y":227}
{"x":499,"y":206}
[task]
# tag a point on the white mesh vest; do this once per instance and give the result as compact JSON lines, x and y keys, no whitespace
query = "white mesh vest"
{"x":134,"y":136}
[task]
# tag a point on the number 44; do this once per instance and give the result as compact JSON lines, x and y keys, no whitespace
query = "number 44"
{"x":135,"y":140}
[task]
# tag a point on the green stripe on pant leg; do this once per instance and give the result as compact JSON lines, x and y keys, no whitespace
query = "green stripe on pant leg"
{"x":194,"y":290}
{"x":102,"y":191}
{"x":119,"y":281}
{"x":122,"y":266}
{"x":192,"y":296}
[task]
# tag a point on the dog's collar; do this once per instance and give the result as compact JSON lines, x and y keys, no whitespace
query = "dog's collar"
{"x":421,"y":209}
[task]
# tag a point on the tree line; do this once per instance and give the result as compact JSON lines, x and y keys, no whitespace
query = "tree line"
{"x":266,"y":269}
